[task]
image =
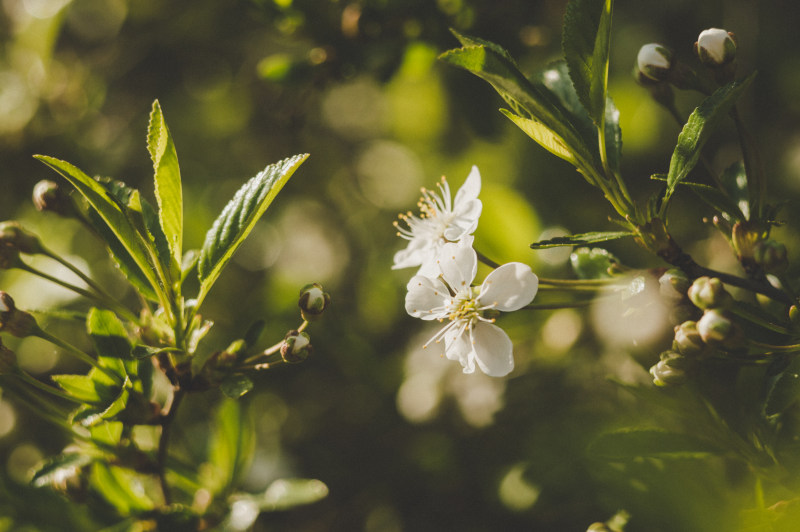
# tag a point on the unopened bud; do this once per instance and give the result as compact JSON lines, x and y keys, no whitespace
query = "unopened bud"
{"x":771,"y":256}
{"x":716,"y":47}
{"x":296,"y":347}
{"x":13,"y":320}
{"x":670,"y":370}
{"x":687,"y":339}
{"x":592,"y":263}
{"x":708,"y":292}
{"x":654,"y":61}
{"x":794,"y":316}
{"x":313,"y":301}
{"x":674,"y":284}
{"x":715,"y":328}
{"x":12,"y":234}
{"x":8,"y":359}
{"x":50,"y":196}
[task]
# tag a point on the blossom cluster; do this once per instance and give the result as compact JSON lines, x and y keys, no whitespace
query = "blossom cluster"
{"x":440,"y":244}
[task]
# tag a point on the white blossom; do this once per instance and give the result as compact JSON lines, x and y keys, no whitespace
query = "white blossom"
{"x":441,"y":220}
{"x":470,"y":335}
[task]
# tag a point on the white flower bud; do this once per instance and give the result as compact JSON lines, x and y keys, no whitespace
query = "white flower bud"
{"x":716,"y":47}
{"x":296,"y":347}
{"x":654,"y":61}
{"x":313,"y":301}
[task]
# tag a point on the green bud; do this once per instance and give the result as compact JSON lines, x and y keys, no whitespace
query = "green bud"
{"x":313,"y":301}
{"x":716,"y":47}
{"x":794,"y":316}
{"x":654,"y":61}
{"x":708,"y":292}
{"x":592,"y":263}
{"x":13,"y":320}
{"x":8,"y":359}
{"x":715,"y":328}
{"x":674,"y":284}
{"x":771,"y":256}
{"x":49,"y":196}
{"x":687,"y":339}
{"x":296,"y":347}
{"x":670,"y":370}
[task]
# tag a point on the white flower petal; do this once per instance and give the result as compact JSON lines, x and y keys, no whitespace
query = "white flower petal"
{"x":459,"y":265}
{"x":458,"y":347}
{"x":509,"y":287}
{"x":425,"y":297}
{"x":414,"y":254}
{"x":492,"y":349}
{"x":470,"y":189}
{"x":465,"y":220}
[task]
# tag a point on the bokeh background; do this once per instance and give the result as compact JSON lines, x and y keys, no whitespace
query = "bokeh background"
{"x":402,"y":438}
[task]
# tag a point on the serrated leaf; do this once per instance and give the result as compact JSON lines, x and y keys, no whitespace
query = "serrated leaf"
{"x":57,"y":469}
{"x":239,"y":217}
{"x":110,"y":212}
{"x":581,"y":240}
{"x":89,"y":416}
{"x":290,"y":492}
{"x":627,"y":444}
{"x":586,"y":44}
{"x":167,"y":178}
{"x":108,"y":334}
{"x":543,"y":135}
{"x":702,"y":122}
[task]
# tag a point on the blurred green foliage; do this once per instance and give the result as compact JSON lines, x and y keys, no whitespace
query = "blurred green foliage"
{"x":401,"y":438}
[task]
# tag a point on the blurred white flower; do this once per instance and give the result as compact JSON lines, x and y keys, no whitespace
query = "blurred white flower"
{"x":441,"y":220}
{"x":470,"y":336}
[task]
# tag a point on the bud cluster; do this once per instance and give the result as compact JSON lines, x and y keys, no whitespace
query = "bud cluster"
{"x":15,"y":321}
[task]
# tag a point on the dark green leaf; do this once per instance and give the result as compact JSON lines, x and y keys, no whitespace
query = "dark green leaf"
{"x":784,"y":393}
{"x":167,"y":179}
{"x":253,"y":332}
{"x":716,"y":199}
{"x":628,"y":444}
{"x":703,"y":120}
{"x":235,"y":386}
{"x":146,"y":351}
{"x":56,"y":469}
{"x":239,"y":217}
{"x":108,"y":209}
{"x":734,"y":183}
{"x":581,"y":240}
{"x":108,"y":334}
{"x":290,"y":492}
{"x":586,"y":44}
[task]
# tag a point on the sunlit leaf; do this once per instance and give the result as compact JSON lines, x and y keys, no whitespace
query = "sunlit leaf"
{"x":586,"y":44}
{"x":167,"y":179}
{"x":232,"y":446}
{"x":108,"y":334}
{"x":121,"y":488}
{"x":239,"y":217}
{"x":581,"y":240}
{"x":59,"y":468}
{"x":290,"y":492}
{"x":546,"y":138}
{"x":702,"y":122}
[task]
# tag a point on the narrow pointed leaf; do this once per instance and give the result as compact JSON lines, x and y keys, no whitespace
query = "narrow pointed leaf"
{"x":581,"y":240}
{"x":628,"y":444}
{"x":703,"y":120}
{"x":239,"y":217}
{"x":108,"y":209}
{"x":167,"y":179}
{"x":613,"y":136}
{"x":543,"y":135}
{"x":586,"y":44}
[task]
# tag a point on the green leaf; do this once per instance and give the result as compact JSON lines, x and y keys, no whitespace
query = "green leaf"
{"x":592,"y":263}
{"x":239,"y":217}
{"x":613,"y":136}
{"x":703,"y":120}
{"x":734,"y":184}
{"x":715,"y":198}
{"x":108,"y":334}
{"x":530,"y":100}
{"x":167,"y":179}
{"x":107,"y":433}
{"x":232,"y":446}
{"x":110,"y":212}
{"x":543,"y":135}
{"x":90,"y":415}
{"x":81,"y":387}
{"x":235,"y":386}
{"x":60,"y":467}
{"x":121,"y":488}
{"x":586,"y":44}
{"x":784,"y":393}
{"x":581,"y":240}
{"x":627,"y":444}
{"x":287,"y":493}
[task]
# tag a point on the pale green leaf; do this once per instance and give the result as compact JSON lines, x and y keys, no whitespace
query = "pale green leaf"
{"x":232,"y":446}
{"x":167,"y":179}
{"x":239,"y":217}
{"x":81,"y":387}
{"x":287,"y":493}
{"x":543,"y":135}
{"x":108,"y":334}
{"x":122,"y":488}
